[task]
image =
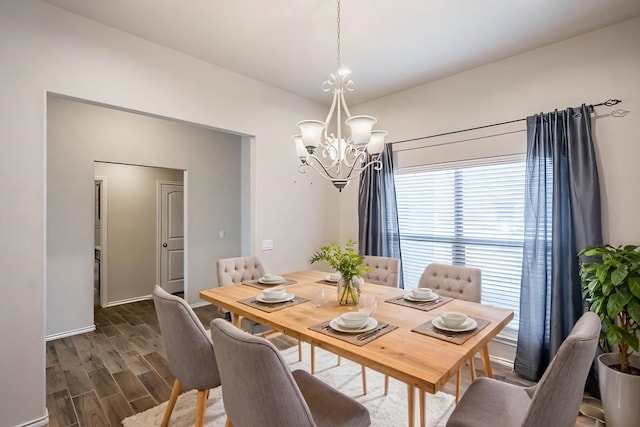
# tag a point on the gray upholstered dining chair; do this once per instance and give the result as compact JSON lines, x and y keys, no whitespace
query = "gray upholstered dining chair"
{"x":382,"y":270}
{"x":232,"y":271}
{"x":189,"y":350}
{"x":554,"y":401}
{"x":259,"y":389}
{"x":457,"y":282}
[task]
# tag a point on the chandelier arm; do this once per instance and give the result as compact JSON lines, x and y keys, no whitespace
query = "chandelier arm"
{"x":356,"y":155}
{"x":324,"y":169}
{"x":326,"y":152}
{"x":352,"y":167}
{"x":330,"y":115}
{"x":344,"y":105}
{"x":376,"y":164}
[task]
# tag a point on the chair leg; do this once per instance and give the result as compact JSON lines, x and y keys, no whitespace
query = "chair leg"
{"x":299,"y":351}
{"x":364,"y":379}
{"x":339,"y":360}
{"x":411,"y":404}
{"x":313,"y":359}
{"x":175,"y":392}
{"x":423,"y":408}
{"x":386,"y":385}
{"x":458,"y":376}
{"x":472,"y":368}
{"x":200,"y":405}
{"x":228,"y":423}
{"x":206,"y":395}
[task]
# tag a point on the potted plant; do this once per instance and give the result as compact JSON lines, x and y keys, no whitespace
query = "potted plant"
{"x":611,"y":286}
{"x":348,"y":263}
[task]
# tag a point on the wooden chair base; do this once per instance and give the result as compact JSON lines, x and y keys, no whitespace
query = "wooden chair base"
{"x":201,"y":403}
{"x":175,"y":392}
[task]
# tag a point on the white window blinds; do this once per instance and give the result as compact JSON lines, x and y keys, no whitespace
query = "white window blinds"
{"x":466,"y":213}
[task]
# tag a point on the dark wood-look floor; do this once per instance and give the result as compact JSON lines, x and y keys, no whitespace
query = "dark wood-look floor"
{"x":99,"y":378}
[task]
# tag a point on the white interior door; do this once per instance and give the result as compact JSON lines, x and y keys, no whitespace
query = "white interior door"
{"x":172,"y":237}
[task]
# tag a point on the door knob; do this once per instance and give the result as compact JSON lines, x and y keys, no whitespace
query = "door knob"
{"x":164,"y":245}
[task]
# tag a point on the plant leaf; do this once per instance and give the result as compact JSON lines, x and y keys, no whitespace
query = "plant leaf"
{"x":634,"y":285}
{"x":612,"y":335}
{"x":601,"y":274}
{"x":615,"y":305}
{"x":633,"y":308}
{"x":619,"y":274}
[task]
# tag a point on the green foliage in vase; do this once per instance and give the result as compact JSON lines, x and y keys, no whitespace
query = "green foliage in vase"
{"x":345,"y":260}
{"x":611,"y":286}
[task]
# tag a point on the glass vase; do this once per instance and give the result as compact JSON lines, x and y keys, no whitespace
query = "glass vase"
{"x":349,"y":291}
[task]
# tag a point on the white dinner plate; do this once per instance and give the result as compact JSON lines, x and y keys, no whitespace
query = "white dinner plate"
{"x":272,"y":282}
{"x":468,"y":325}
{"x":369,"y":326}
{"x":261,"y":298}
{"x":410,"y":297}
{"x":329,"y":279}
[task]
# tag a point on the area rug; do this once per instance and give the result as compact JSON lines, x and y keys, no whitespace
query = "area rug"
{"x":386,"y":411}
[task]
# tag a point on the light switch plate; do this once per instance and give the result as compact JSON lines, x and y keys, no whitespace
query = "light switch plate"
{"x":267,"y":245}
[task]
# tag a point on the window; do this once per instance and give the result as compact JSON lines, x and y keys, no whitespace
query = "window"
{"x":466,"y":213}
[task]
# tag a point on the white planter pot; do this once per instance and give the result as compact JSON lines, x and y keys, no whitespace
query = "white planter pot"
{"x":620,"y":392}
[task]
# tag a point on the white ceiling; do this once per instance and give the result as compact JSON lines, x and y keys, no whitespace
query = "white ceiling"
{"x":389,"y":45}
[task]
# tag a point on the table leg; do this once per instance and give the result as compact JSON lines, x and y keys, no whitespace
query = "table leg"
{"x":411,"y":404}
{"x":486,"y":361}
{"x":236,"y":319}
{"x":423,"y":408}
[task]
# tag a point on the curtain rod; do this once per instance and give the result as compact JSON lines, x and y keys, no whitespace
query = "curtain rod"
{"x":608,"y":103}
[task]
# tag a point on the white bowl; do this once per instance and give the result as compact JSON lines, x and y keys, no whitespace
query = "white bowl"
{"x":453,"y":318}
{"x":270,"y":277}
{"x":274,"y":293}
{"x":354,"y":319}
{"x":422,"y":293}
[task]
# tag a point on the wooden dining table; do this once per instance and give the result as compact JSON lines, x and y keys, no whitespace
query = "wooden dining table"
{"x":418,"y":360}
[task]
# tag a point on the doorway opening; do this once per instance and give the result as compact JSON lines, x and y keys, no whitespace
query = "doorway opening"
{"x":138,"y":241}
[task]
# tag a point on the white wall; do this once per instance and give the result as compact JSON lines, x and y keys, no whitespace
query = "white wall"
{"x":590,"y":68}
{"x":46,"y":49}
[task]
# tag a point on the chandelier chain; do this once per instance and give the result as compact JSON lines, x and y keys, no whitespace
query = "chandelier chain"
{"x":338,"y":37}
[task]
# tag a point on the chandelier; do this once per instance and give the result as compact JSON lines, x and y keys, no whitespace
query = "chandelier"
{"x":339,"y":158}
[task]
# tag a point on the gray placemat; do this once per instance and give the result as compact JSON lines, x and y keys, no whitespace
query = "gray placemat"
{"x":354,"y":339}
{"x":326,"y":282}
{"x":420,"y":305}
{"x":454,"y":337}
{"x":258,"y":285}
{"x":271,"y":307}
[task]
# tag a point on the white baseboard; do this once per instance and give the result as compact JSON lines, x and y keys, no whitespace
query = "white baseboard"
{"x":502,"y":361}
{"x":70,"y":333}
{"x":38,"y":422}
{"x":172,"y":288}
{"x":200,"y":304}
{"x":129,"y":300}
